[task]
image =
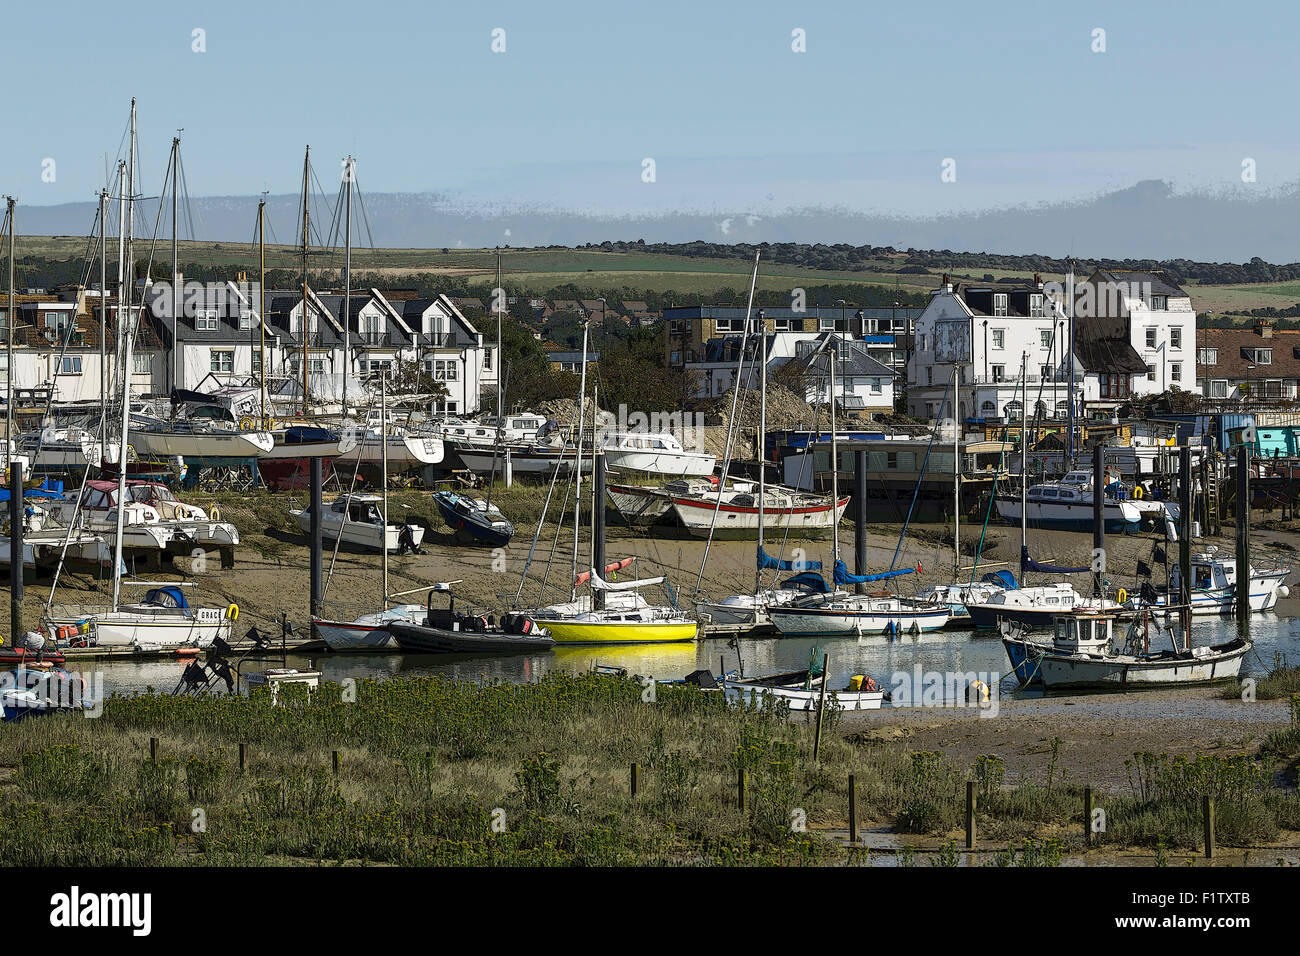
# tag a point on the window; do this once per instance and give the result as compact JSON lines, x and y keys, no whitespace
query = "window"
{"x":442,"y":370}
{"x":988,"y":409}
{"x":999,"y":303}
{"x":72,"y":365}
{"x":1263,"y":356}
{"x":1012,"y":409}
{"x":999,"y":338}
{"x":205,"y":320}
{"x":1175,"y":371}
{"x":315,"y":366}
{"x":245,"y":320}
{"x":676,"y":358}
{"x":731,"y":325}
{"x":1151,"y":338}
{"x":1218,"y":388}
{"x":221,"y":361}
{"x":787,"y":325}
{"x":1045,"y":372}
{"x":929,"y":375}
{"x":257,"y":360}
{"x":875,"y":386}
{"x":1045,"y":338}
{"x":1114,"y":386}
{"x":141,"y":363}
{"x":1208,"y":356}
{"x":925,"y":343}
{"x":997,"y":372}
{"x":1159,"y":303}
{"x":1036,"y":305}
{"x":487,"y":359}
{"x":1151,"y":373}
{"x":1175,"y":338}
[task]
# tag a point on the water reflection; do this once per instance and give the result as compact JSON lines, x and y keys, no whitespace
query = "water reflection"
{"x":880,"y":657}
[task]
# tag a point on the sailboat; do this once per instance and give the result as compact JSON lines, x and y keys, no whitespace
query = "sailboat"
{"x":1037,"y":606}
{"x":855,"y":614}
{"x":614,"y":612}
{"x":163,"y":618}
{"x":370,"y":631}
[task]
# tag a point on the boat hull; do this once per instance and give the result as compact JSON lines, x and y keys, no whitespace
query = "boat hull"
{"x":741,"y":521}
{"x":852,"y":622}
{"x":421,"y":639}
{"x":359,"y":534}
{"x":1119,"y":516}
{"x":1223,"y":663}
{"x":241,"y":445}
{"x":619,"y":632}
{"x":803,"y":700}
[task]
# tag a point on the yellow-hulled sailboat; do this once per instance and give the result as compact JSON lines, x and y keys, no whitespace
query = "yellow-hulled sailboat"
{"x":627,"y":617}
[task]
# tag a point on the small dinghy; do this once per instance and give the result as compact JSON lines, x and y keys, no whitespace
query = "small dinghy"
{"x":474,"y":519}
{"x":802,"y":690}
{"x":448,"y":631}
{"x":33,"y":693}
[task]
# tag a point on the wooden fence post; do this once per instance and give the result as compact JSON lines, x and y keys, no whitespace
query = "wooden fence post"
{"x":1087,"y":817}
{"x":1207,"y":809}
{"x":336,"y":762}
{"x":740,"y":790}
{"x":243,"y":757}
{"x":634,"y":778}
{"x":853,"y":809}
{"x":153,"y":748}
{"x":970,"y":814}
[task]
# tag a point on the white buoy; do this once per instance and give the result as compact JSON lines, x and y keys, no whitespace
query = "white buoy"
{"x":33,"y":640}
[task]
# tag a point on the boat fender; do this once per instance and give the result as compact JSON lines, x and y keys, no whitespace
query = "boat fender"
{"x":246,"y":424}
{"x":1137,"y":491}
{"x":1283,"y":590}
{"x":1121,"y":596}
{"x":232,"y":612}
{"x":214,"y":513}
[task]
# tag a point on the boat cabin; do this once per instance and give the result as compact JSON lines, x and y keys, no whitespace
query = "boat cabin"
{"x":1208,"y":573}
{"x":361,"y":509}
{"x":1087,"y":633}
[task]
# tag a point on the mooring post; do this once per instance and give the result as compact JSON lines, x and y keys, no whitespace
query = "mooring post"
{"x":316,"y":538}
{"x":970,"y":814}
{"x":1087,"y":816}
{"x":1207,"y":811}
{"x":821,"y":707}
{"x":859,"y":515}
{"x":1243,"y":540}
{"x":15,"y":551}
{"x":853,"y":809}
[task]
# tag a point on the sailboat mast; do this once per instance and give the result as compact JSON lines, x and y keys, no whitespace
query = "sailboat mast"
{"x":1069,"y":293}
{"x":103,"y":322}
{"x":762,"y":435}
{"x":121,"y":267}
{"x":577,"y":464}
{"x":176,"y":292}
{"x":383,"y":441}
{"x":306,"y":225}
{"x":124,"y":370}
{"x":127,"y":333}
{"x":956,"y":480}
{"x":261,"y":291}
{"x":499,"y":296}
{"x":1024,"y":454}
{"x":347,"y":284}
{"x":9,"y":328}
{"x":835,"y":462}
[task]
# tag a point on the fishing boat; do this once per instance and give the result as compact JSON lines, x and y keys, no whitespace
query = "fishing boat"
{"x":474,"y":519}
{"x":449,"y":631}
{"x":1214,"y":586}
{"x":1082,"y":655}
{"x":356,"y":520}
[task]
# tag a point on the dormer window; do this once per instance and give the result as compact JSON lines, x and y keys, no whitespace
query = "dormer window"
{"x":999,"y":303}
{"x":1208,"y":356}
{"x":1036,"y":305}
{"x":245,"y":320}
{"x":1159,"y":303}
{"x":1260,"y":356}
{"x":205,"y":320}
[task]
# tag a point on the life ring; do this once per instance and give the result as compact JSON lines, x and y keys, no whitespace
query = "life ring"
{"x":215,"y":513}
{"x":1121,"y":596}
{"x":232,"y":612}
{"x":1137,"y":491}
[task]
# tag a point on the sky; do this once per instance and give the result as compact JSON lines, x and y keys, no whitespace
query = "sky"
{"x":1018,"y":95}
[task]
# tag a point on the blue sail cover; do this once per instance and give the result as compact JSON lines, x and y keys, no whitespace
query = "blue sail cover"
{"x":768,"y":563}
{"x":809,"y":580}
{"x":1029,"y":564}
{"x":842,"y":575}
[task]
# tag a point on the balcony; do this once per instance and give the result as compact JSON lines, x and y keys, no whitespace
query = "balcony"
{"x":878,"y":338}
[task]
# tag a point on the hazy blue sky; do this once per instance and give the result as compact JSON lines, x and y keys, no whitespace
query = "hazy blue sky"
{"x":711,"y":91}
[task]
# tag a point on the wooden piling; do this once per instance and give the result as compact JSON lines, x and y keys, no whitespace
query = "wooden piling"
{"x":243,"y":757}
{"x":153,"y":748}
{"x":970,"y":814}
{"x":633,"y":778}
{"x":1207,"y":813}
{"x":335,"y":756}
{"x":853,"y":809}
{"x":1087,"y":816}
{"x":740,"y":790}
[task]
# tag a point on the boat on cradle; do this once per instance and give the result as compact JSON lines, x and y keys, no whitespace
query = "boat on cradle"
{"x":448,"y":631}
{"x":474,"y":519}
{"x":64,"y":449}
{"x":197,"y":439}
{"x":151,"y":504}
{"x":143,"y":530}
{"x":162,"y":620}
{"x":358,"y":520}
{"x":516,"y":429}
{"x":535,"y":460}
{"x":404,"y":450}
{"x":367,"y":632}
{"x":288,"y":464}
{"x":693,"y":503}
{"x":1067,"y":505}
{"x":1214,"y":586}
{"x":657,"y":453}
{"x":957,"y":596}
{"x":1082,"y":655}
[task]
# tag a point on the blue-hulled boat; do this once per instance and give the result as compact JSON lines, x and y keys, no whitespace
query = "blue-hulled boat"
{"x":474,"y":519}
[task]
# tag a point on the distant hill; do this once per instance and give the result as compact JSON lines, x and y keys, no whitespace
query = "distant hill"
{"x":1147,"y":221}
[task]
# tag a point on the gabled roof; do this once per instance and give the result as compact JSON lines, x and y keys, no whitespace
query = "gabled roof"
{"x":1236,"y":354}
{"x":1108,"y":355}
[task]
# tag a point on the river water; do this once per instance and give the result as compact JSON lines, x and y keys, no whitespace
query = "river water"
{"x":945,"y":652}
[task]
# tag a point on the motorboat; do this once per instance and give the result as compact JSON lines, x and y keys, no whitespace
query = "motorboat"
{"x":358,"y":521}
{"x":368,"y":631}
{"x":474,"y":519}
{"x":449,"y":631}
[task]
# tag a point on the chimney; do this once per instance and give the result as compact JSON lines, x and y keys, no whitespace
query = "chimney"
{"x":1038,"y":280}
{"x":1264,"y":328}
{"x":947,"y":283}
